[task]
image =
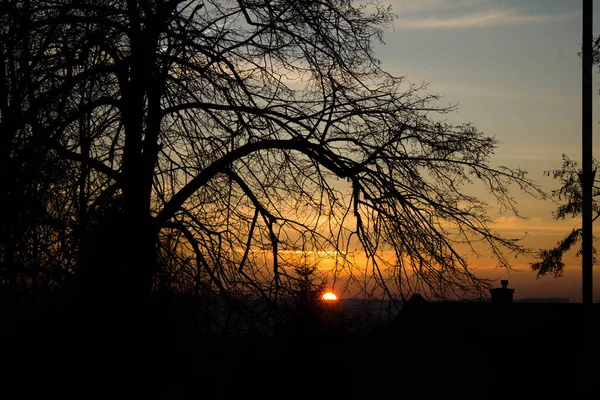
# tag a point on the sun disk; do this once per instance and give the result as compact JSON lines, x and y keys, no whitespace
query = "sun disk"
{"x":329,"y":296}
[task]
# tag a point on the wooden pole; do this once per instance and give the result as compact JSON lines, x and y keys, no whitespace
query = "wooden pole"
{"x":587,"y":172}
{"x":588,"y":351}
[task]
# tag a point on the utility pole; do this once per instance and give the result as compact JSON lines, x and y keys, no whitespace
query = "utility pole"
{"x":587,"y":178}
{"x":588,"y":352}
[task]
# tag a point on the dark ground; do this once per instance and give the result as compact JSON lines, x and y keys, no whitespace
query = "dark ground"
{"x":366,"y":367}
{"x":446,"y":357}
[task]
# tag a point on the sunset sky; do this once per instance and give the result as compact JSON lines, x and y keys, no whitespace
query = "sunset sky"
{"x":513,"y":70}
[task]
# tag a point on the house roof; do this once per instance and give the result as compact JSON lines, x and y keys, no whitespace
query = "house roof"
{"x":515,"y":319}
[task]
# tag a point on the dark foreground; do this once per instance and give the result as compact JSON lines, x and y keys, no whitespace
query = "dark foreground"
{"x":326,"y":368}
{"x":441,"y":359}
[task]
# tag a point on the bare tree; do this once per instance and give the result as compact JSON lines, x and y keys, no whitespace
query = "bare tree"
{"x":36,"y":251}
{"x":229,"y":134}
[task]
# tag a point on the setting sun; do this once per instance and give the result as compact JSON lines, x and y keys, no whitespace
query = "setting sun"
{"x":329,"y":296}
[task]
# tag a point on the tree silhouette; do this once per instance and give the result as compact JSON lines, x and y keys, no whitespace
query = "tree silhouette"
{"x":306,"y":309}
{"x":35,"y":225}
{"x":205,"y":139}
{"x":569,"y":196}
{"x":550,"y":261}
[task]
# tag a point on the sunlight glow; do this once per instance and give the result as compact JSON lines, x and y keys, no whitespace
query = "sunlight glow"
{"x":329,"y":296}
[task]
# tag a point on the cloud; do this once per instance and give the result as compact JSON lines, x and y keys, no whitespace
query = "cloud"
{"x":411,"y":6}
{"x":469,"y":19}
{"x":538,"y":226}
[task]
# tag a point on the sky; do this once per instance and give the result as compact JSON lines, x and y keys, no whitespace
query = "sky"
{"x":513,"y":71}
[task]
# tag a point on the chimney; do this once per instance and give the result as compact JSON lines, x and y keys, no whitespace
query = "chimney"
{"x":502,"y":295}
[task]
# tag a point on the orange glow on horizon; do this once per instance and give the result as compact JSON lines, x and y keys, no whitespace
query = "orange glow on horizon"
{"x":329,"y":296}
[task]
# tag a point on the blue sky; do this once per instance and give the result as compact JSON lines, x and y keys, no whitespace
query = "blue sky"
{"x":512,"y":67}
